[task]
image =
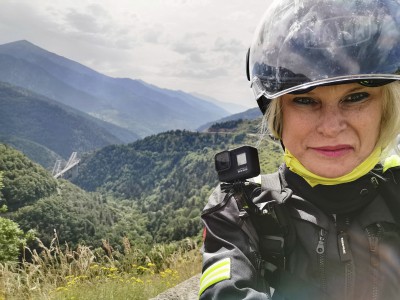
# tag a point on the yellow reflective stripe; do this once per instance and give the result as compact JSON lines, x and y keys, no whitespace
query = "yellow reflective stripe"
{"x":215,"y":266}
{"x":390,"y":162}
{"x":217,"y":272}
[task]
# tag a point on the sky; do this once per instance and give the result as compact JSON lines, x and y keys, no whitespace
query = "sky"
{"x":197,"y":46}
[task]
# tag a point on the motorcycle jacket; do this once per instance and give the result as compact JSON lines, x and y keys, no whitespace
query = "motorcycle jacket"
{"x":338,"y":242}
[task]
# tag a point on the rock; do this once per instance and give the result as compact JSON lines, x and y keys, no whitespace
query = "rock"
{"x":186,"y":290}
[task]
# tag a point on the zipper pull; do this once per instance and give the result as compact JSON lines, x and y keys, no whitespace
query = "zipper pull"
{"x":321,"y":242}
{"x":344,"y":247}
{"x":375,"y":182}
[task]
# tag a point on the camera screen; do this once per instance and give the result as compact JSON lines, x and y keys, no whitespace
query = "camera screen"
{"x":241,"y":159}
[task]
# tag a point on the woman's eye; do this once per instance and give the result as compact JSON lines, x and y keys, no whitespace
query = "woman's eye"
{"x":356,"y":97}
{"x":304,"y":100}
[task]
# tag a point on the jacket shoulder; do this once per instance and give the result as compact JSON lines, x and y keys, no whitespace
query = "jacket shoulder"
{"x":216,"y":200}
{"x":221,"y":195}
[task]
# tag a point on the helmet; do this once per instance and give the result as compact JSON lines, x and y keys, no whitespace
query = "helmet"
{"x":301,"y":44}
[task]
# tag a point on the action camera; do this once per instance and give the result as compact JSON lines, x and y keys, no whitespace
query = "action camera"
{"x":238,"y":164}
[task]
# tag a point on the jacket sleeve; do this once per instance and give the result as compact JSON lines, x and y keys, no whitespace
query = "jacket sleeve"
{"x":230,"y":254}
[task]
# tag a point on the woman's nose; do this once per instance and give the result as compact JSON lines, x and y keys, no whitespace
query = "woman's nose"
{"x":331,"y":121}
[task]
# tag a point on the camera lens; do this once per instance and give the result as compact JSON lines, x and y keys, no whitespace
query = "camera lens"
{"x":222,"y":161}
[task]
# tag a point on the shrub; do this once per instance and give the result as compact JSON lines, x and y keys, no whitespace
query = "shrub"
{"x":12,"y":240}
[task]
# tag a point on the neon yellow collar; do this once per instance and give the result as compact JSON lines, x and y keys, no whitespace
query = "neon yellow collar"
{"x":367,"y":165}
{"x":391,"y":162}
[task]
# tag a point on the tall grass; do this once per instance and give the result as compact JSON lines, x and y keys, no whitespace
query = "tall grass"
{"x":56,"y":272}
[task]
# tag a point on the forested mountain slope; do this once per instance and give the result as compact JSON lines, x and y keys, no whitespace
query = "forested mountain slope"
{"x":36,"y":200}
{"x":152,"y":190}
{"x":169,"y":175}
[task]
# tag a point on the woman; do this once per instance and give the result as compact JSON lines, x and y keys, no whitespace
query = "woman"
{"x":326,"y":225}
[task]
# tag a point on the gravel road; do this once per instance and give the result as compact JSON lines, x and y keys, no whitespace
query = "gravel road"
{"x":186,"y":290}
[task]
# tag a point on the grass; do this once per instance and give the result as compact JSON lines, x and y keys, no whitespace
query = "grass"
{"x":99,"y":274}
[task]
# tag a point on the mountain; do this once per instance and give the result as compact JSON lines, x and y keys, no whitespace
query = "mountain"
{"x":250,"y":114}
{"x":132,"y":104}
{"x":38,"y":125}
{"x":232,"y":108}
{"x":34,"y":151}
{"x":151,"y":190}
{"x":24,"y":181}
{"x":36,"y":200}
{"x":169,"y":175}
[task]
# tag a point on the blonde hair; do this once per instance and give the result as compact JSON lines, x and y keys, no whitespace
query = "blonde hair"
{"x":390,"y":122}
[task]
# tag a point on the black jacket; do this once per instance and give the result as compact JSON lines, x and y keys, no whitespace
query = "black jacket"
{"x":338,"y":253}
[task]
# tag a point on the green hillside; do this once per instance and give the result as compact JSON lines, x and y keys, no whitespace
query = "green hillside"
{"x":34,"y":151}
{"x":37,"y":201}
{"x":152,"y":190}
{"x":170,"y":175}
{"x":24,"y":182}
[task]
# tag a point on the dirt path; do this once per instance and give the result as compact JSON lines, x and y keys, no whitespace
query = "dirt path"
{"x":186,"y":290}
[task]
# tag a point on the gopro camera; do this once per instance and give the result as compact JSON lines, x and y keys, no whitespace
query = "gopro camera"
{"x":238,"y":164}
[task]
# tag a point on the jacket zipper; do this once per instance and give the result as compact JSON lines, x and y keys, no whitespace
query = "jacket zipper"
{"x":321,"y":258}
{"x":373,"y":239}
{"x":346,"y":257}
{"x":349,"y":270}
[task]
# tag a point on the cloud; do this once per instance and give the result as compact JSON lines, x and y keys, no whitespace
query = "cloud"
{"x":197,"y":58}
{"x":191,"y":42}
{"x":232,"y":45}
{"x":197,"y":73}
{"x":86,"y":22}
{"x":18,"y":17}
{"x":153,"y":35}
{"x":177,"y":44}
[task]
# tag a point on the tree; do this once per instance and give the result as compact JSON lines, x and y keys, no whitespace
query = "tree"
{"x":12,"y":238}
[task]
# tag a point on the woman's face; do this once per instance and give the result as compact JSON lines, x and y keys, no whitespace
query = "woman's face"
{"x":332,"y":129}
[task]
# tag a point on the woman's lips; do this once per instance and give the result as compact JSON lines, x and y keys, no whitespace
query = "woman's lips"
{"x":333,"y":151}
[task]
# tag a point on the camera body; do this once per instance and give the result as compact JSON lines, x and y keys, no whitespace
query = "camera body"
{"x":237,"y":165}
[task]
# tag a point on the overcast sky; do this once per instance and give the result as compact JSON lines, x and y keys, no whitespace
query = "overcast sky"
{"x":191,"y":45}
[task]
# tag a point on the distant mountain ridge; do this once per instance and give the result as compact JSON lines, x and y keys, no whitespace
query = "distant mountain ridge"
{"x":28,"y":120}
{"x":233,"y":108}
{"x":250,"y":114}
{"x":142,"y":108}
